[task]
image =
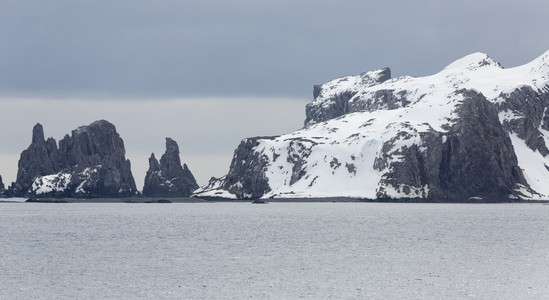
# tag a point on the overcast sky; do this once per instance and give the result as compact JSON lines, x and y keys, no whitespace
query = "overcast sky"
{"x":209,"y":73}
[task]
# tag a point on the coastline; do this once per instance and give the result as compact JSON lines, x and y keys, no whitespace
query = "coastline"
{"x":152,"y":200}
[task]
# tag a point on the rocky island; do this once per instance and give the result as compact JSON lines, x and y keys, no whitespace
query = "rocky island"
{"x":168,"y":178}
{"x":89,"y":163}
{"x":472,"y":132}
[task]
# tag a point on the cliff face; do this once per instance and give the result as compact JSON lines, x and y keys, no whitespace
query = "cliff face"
{"x":472,"y":132}
{"x":89,"y":163}
{"x":2,"y":189}
{"x":168,"y":178}
{"x":247,"y":178}
{"x":331,"y":100}
{"x":39,"y":159}
{"x":474,"y":159}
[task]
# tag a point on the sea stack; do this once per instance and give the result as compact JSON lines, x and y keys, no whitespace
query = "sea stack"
{"x":89,"y":163}
{"x":168,"y":178}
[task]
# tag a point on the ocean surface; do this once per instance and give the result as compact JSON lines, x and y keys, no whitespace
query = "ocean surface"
{"x":274,"y":251}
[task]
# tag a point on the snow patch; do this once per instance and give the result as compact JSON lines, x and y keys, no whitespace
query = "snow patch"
{"x":50,"y":183}
{"x":535,"y":168}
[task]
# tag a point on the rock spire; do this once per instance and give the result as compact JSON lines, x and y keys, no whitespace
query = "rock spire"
{"x":168,"y":178}
{"x":89,"y":163}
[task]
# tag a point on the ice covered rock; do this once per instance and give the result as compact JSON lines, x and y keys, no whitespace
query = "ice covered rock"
{"x":168,"y":178}
{"x":472,"y":132}
{"x":89,"y":163}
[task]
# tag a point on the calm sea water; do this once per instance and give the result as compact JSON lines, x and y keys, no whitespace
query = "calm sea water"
{"x":276,"y":251}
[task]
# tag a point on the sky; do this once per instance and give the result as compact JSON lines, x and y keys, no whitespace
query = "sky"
{"x":210,"y":73}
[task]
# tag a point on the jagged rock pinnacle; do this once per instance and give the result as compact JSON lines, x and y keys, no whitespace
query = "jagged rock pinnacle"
{"x":89,"y":163}
{"x":168,"y":178}
{"x":38,"y":133}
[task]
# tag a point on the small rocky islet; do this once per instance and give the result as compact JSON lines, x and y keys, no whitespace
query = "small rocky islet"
{"x":91,"y":163}
{"x":168,"y":178}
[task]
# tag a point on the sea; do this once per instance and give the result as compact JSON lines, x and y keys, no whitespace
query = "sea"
{"x":274,"y":251}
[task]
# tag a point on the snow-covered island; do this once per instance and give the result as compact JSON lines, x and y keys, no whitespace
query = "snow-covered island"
{"x":472,"y":132}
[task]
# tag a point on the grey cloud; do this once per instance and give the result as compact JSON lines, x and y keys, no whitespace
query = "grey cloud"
{"x":144,"y":49}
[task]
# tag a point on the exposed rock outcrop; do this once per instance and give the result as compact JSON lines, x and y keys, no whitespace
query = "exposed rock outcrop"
{"x":39,"y":159}
{"x":89,"y":163}
{"x":332,"y":99}
{"x":168,"y":178}
{"x":2,"y":188}
{"x":473,"y":159}
{"x":247,"y":178}
{"x":524,"y":112}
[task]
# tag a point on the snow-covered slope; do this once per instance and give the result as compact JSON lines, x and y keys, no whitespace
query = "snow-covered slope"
{"x":474,"y":130}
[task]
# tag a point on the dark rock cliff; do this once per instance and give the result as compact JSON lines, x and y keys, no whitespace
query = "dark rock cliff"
{"x":473,"y":160}
{"x":329,"y":104}
{"x":530,"y":108}
{"x":478,"y":158}
{"x":168,"y":178}
{"x":246,"y":178}
{"x":2,"y":189}
{"x":39,"y":159}
{"x":89,"y":163}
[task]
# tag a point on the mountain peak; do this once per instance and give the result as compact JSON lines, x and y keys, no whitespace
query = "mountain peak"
{"x":473,"y":62}
{"x":38,"y":134}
